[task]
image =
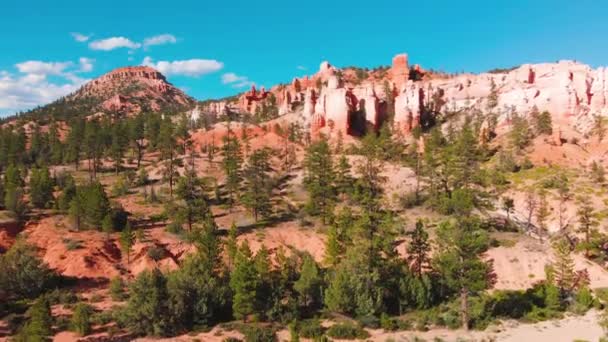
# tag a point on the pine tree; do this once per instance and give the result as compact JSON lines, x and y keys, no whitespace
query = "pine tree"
{"x":520,"y":134}
{"x":319,"y":179}
{"x":81,"y":319}
{"x":193,"y":206}
{"x":588,"y":222}
{"x":127,"y":239}
{"x":308,"y":285}
{"x":599,"y":127}
{"x":542,"y":214}
{"x":168,"y":144}
{"x":418,"y":250}
{"x":344,"y":179}
{"x":136,"y":134}
{"x":461,"y":245}
{"x":337,"y":236}
{"x":147,"y":308}
{"x":39,"y":326}
{"x":117,"y":149}
{"x":370,"y":188}
{"x":41,"y":188}
{"x":563,"y":266}
{"x":258,"y":184}
{"x":107,"y":225}
{"x":232,"y":243}
{"x":14,"y":202}
{"x":55,"y":146}
{"x":231,"y":164}
{"x":244,"y":284}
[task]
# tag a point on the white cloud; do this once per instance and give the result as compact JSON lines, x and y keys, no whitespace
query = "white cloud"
{"x":31,"y":87}
{"x":43,"y":68}
{"x":86,"y":64}
{"x":301,"y":67}
{"x":31,"y":90}
{"x":79,"y":37}
{"x":159,"y":40}
{"x":113,"y":43}
{"x":190,"y":67}
{"x":236,"y":80}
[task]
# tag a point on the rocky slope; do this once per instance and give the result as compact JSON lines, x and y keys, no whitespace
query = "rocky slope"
{"x":127,"y":91}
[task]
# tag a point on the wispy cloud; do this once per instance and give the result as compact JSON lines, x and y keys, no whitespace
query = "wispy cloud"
{"x":112,"y":43}
{"x":301,"y":67}
{"x":79,"y":37}
{"x":43,"y":68}
{"x":159,"y":40}
{"x":235,"y":80}
{"x":190,"y":67}
{"x":86,"y":64}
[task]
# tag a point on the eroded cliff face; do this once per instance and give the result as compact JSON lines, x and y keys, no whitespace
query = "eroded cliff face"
{"x":331,"y":100}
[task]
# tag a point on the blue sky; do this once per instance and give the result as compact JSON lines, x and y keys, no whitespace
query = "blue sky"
{"x":217,"y":48}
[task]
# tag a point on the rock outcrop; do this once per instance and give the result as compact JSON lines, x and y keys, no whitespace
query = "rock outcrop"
{"x":130,"y":90}
{"x":334,"y":100}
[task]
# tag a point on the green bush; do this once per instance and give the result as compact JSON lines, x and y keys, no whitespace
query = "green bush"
{"x":254,"y":333}
{"x":310,"y":328}
{"x":117,"y":289}
{"x":347,"y":331}
{"x":387,"y":323}
{"x":371,"y":322}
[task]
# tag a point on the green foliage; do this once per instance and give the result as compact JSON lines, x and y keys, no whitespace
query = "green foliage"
{"x":22,"y":274}
{"x":90,"y":206}
{"x":310,"y":328}
{"x":41,"y":188}
{"x":127,"y":240}
{"x":232,"y":160}
{"x":14,"y":202}
{"x":81,"y":319}
{"x":257,"y":333}
{"x":117,"y":289}
{"x":258,"y":184}
{"x":193,"y":206}
{"x":542,"y":122}
{"x":244,"y":283}
{"x":520,"y":135}
{"x":308,"y":285}
{"x":319,"y":179}
{"x":347,"y":331}
{"x":460,"y":264}
{"x":147,"y":307}
{"x":39,"y":325}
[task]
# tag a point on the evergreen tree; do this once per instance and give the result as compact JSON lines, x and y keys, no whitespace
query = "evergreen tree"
{"x":599,"y":127}
{"x":14,"y":202}
{"x":107,"y":225}
{"x":127,"y":239}
{"x":117,"y":148}
{"x":192,"y":195}
{"x":319,"y":179}
{"x":461,"y":245}
{"x":136,"y":134}
{"x":563,"y":267}
{"x":588,"y":222}
{"x":55,"y":146}
{"x":22,"y":273}
{"x":81,"y":319}
{"x":418,"y":250}
{"x":39,"y":326}
{"x":41,"y":188}
{"x":308,"y":285}
{"x":520,"y":134}
{"x":168,"y":149}
{"x":147,"y":307}
{"x":542,"y":122}
{"x":232,"y":243}
{"x":244,"y":283}
{"x":542,"y":214}
{"x":343,"y":177}
{"x":232,"y":160}
{"x":338,"y":236}
{"x":258,"y":184}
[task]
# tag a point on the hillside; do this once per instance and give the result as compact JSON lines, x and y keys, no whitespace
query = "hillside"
{"x":124,"y":91}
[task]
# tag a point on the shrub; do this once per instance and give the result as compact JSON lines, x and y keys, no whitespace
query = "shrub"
{"x":81,"y":319}
{"x":117,"y":289}
{"x":156,"y":253}
{"x":387,"y":323}
{"x":259,"y":334}
{"x":310,"y":328}
{"x":347,"y":331}
{"x":72,"y":245}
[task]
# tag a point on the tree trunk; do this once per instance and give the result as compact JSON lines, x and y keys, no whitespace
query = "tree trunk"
{"x":464,"y":308}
